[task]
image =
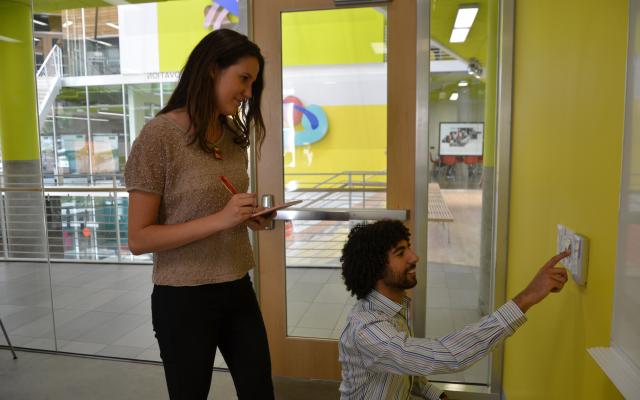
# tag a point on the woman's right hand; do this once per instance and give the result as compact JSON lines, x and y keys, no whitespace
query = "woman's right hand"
{"x":238,"y":209}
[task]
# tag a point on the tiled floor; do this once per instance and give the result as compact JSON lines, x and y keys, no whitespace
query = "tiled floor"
{"x":105,"y":309}
{"x":37,"y":376}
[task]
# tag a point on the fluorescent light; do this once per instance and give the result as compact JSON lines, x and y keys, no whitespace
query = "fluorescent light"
{"x":454,"y":96}
{"x":463,"y":83}
{"x":35,"y":21}
{"x":67,"y":24}
{"x":35,"y":39}
{"x":114,"y":26}
{"x":100,"y":42}
{"x":466,"y":16}
{"x":459,"y":35}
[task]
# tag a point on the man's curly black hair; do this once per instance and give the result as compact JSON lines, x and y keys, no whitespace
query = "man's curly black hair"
{"x":364,"y":256}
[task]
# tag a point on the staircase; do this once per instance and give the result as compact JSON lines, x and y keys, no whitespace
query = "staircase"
{"x":49,"y":79}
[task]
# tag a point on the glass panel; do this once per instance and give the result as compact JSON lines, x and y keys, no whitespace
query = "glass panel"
{"x":167,"y":91}
{"x":106,"y":110}
{"x":143,"y":103}
{"x":317,"y":299}
{"x":103,"y":307}
{"x":71,"y":111}
{"x":461,"y":139}
{"x":335,"y":141}
{"x":102,"y":41}
{"x":73,"y":49}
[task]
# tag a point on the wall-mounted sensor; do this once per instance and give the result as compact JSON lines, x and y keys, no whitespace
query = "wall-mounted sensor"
{"x":578,"y":261}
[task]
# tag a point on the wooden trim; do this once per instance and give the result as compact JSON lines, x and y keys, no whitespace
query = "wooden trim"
{"x":303,"y":357}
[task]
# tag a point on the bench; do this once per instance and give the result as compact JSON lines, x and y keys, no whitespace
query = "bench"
{"x":437,"y":210}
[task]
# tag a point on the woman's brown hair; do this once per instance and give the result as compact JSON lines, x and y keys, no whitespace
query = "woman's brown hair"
{"x":196,"y":89}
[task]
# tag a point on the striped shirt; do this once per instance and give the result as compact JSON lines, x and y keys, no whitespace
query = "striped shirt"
{"x":381,"y":360}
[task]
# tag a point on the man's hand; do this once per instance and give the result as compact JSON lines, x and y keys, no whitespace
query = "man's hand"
{"x":548,"y":279}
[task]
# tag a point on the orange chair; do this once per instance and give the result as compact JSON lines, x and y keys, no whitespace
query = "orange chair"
{"x":449,"y":162}
{"x":436,"y":165}
{"x":474,"y":163}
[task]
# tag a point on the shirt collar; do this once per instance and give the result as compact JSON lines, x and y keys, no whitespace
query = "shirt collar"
{"x":382,"y":303}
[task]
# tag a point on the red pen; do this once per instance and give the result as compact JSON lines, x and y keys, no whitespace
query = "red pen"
{"x":228,"y":185}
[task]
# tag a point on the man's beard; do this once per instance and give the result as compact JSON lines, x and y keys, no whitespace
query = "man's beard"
{"x":400,"y":280}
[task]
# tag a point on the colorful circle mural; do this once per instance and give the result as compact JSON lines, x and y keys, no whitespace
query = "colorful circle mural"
{"x":310,"y":122}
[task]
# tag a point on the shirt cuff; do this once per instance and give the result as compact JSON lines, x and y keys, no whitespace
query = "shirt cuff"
{"x":432,"y":392}
{"x":510,"y":316}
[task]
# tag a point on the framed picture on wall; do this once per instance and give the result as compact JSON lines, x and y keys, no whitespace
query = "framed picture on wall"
{"x":461,"y":138}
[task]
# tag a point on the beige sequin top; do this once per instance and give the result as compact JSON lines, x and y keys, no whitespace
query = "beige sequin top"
{"x":187,"y":178}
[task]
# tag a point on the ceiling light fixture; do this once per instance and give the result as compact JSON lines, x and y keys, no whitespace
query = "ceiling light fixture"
{"x":454,"y":96}
{"x":35,"y":21}
{"x":67,"y":24}
{"x":464,"y":20}
{"x":458,"y":35}
{"x":100,"y":42}
{"x":463,"y":83}
{"x":466,"y":16}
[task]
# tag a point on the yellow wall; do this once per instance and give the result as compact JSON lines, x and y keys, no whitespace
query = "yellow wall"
{"x":180,"y":28}
{"x":355,"y":140}
{"x":568,"y":112}
{"x":331,"y":36}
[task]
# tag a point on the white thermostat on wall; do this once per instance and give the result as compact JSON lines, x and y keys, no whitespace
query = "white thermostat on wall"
{"x":578,"y":261}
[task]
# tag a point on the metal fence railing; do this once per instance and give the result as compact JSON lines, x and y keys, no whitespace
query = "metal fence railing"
{"x":48,"y":78}
{"x":84,"y":218}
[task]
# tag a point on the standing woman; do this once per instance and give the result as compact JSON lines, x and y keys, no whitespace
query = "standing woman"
{"x":180,"y":210}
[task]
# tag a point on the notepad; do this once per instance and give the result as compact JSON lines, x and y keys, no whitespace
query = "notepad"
{"x":276,"y":208}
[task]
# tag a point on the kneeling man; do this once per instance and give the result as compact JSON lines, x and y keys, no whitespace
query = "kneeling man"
{"x":380,"y":357}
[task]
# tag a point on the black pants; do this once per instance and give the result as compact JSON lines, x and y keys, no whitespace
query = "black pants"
{"x":190,"y":322}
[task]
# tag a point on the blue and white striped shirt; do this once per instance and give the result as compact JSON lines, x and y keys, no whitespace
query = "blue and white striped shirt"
{"x":381,"y":360}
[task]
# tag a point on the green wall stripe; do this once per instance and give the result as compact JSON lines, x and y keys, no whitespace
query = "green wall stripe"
{"x":18,"y":110}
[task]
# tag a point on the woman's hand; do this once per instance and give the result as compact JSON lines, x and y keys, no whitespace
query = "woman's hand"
{"x":238,"y":209}
{"x":262,"y":221}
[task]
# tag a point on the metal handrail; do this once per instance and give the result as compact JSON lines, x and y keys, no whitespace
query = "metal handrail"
{"x":56,"y":55}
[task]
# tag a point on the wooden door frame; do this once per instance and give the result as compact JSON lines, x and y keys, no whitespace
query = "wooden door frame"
{"x":318,"y":358}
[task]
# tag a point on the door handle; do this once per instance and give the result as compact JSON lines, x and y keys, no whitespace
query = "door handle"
{"x":340,"y":214}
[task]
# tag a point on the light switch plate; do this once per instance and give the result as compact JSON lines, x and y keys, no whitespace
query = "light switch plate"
{"x":578,"y":261}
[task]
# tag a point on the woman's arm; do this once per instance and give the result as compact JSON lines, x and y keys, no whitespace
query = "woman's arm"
{"x":146,"y":235}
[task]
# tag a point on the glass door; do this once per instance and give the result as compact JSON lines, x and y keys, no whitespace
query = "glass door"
{"x":334,"y":142}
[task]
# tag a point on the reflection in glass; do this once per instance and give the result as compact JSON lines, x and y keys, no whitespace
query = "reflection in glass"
{"x":73,"y":51}
{"x":142,"y":104}
{"x":73,"y":155}
{"x":102,"y":41}
{"x":335,"y":140}
{"x":71,"y":111}
{"x":107,"y":129}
